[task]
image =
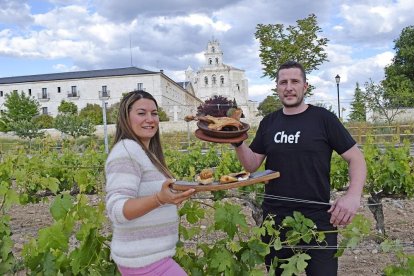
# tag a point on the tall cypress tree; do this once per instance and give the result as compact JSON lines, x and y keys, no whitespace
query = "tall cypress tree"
{"x":358,"y":109}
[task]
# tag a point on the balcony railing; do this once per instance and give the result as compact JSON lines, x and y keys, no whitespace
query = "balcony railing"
{"x":73,"y":94}
{"x":104,"y":94}
{"x":43,"y":97}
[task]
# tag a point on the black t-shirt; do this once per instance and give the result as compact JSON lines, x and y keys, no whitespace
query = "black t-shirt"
{"x":300,"y":147}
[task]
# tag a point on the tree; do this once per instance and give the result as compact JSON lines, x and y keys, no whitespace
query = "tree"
{"x":92,"y":112}
{"x":326,"y":106}
{"x":378,"y":103}
{"x":43,"y":121}
{"x":27,"y":129}
{"x":299,"y":43}
{"x":268,"y":105}
{"x":399,"y":75}
{"x":112,"y":113}
{"x":20,"y":107}
{"x":216,"y":106}
{"x":73,"y":125}
{"x":67,"y":108}
{"x":358,"y":110}
{"x":162,"y":115}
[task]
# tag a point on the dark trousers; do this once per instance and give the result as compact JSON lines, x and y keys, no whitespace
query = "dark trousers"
{"x":322,"y":262}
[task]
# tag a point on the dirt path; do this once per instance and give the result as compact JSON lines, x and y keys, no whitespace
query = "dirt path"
{"x":365,"y":260}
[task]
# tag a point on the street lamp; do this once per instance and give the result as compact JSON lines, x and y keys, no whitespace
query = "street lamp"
{"x":338,"y":79}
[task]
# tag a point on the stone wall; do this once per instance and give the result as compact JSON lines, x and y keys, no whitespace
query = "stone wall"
{"x":165,"y":127}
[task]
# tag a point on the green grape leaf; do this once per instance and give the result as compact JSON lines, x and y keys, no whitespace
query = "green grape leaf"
{"x":61,"y":206}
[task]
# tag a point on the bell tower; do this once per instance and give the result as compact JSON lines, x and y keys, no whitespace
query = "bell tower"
{"x":213,"y":55}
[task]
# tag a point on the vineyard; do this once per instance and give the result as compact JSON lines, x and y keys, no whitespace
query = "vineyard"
{"x":53,"y":219}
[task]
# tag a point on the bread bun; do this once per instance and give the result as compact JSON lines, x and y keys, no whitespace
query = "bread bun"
{"x":206,"y":173}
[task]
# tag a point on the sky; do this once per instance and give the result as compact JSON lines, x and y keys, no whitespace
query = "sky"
{"x":39,"y":37}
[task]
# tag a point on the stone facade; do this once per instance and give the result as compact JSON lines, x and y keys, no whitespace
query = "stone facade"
{"x":217,"y":78}
{"x":98,"y":86}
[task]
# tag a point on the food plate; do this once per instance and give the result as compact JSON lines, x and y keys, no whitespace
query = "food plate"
{"x":256,"y":177}
{"x":202,"y":136}
{"x":203,"y":126}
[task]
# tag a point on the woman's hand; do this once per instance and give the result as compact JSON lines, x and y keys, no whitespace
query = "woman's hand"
{"x":170,"y":196}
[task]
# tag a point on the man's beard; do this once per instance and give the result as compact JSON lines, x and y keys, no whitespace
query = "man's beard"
{"x":295,"y":104}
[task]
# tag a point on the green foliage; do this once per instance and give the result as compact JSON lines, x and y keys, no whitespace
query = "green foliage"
{"x":8,"y":198}
{"x":92,"y":113}
{"x":20,"y":107}
{"x":67,"y":108}
{"x":112,"y":113}
{"x":299,"y":43}
{"x":339,"y":172}
{"x":390,"y":170}
{"x":399,"y":76}
{"x":377,"y":101}
{"x":74,"y":126}
{"x":405,"y":261}
{"x":162,"y":115}
{"x":50,"y":253}
{"x":43,"y":121}
{"x":269,"y":105}
{"x":358,"y":110}
{"x":226,"y":246}
{"x":26,"y":129}
{"x":216,"y":106}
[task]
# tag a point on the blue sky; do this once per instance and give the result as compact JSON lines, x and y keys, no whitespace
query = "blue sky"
{"x":39,"y":37}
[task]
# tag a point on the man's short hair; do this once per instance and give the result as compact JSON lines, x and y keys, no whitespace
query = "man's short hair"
{"x":291,"y":64}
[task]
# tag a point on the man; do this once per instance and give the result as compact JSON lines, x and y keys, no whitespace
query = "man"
{"x":298,"y":141}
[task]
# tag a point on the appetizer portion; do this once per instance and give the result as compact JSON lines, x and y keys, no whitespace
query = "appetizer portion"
{"x":206,"y":176}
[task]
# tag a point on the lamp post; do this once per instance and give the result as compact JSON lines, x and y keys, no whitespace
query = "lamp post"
{"x":338,"y":79}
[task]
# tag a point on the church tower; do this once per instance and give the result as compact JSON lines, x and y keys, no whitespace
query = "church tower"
{"x":213,"y":55}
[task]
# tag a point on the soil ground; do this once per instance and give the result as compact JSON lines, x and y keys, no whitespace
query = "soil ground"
{"x":366,"y":259}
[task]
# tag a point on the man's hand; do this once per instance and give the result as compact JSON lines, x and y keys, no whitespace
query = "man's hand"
{"x":344,"y":209}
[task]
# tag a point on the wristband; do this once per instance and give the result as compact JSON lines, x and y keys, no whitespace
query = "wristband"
{"x":236,"y":145}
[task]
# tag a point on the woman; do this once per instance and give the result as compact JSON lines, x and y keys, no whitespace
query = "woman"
{"x":139,"y":201}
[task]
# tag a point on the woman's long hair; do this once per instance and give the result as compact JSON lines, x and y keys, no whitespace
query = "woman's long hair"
{"x":124,"y":130}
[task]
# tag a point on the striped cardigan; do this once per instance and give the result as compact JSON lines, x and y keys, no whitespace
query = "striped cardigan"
{"x":151,"y":237}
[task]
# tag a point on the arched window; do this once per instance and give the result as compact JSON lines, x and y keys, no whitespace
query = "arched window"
{"x":217,"y":61}
{"x":221,"y":80}
{"x":213,"y":79}
{"x":210,"y":61}
{"x":213,"y":49}
{"x":205,"y":80}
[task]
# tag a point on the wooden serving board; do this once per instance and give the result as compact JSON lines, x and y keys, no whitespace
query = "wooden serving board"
{"x":254,"y":178}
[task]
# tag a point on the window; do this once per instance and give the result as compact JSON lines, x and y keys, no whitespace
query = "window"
{"x":210,"y":61}
{"x":44,"y":110}
{"x":58,"y":89}
{"x":213,"y":79}
{"x":221,"y":80}
{"x":104,"y":91}
{"x":140,"y":86}
{"x":1,"y":93}
{"x":74,"y":91}
{"x":205,"y":80}
{"x":213,"y":49}
{"x":44,"y":93}
{"x":30,"y":91}
{"x":217,"y":61}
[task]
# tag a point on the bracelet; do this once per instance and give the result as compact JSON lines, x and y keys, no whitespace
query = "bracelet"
{"x":236,"y":145}
{"x":158,"y":200}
